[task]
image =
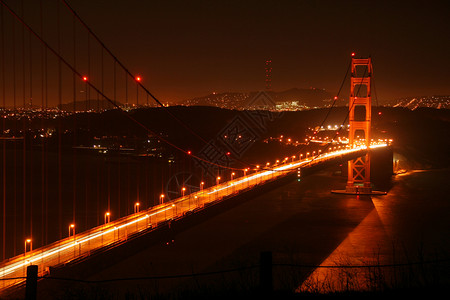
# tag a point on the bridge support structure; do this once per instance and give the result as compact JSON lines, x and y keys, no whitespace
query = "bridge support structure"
{"x":360,"y":114}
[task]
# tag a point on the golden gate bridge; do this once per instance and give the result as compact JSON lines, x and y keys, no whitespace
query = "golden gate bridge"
{"x":56,"y":69}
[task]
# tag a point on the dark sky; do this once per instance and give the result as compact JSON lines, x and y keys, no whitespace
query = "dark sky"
{"x":185,"y":48}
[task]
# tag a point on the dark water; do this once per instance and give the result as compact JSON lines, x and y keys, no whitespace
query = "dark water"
{"x":406,"y":228}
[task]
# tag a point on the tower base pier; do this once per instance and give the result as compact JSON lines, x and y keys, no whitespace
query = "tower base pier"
{"x":359,"y":190}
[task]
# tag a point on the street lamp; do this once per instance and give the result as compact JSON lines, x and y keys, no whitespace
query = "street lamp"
{"x":183,"y":189}
{"x":217,"y":180}
{"x":107,"y":217}
{"x":28,"y":241}
{"x":72,"y":228}
{"x":161,"y":199}
{"x":232,"y":174}
{"x":293,"y":157}
{"x":201,"y":185}
{"x":136,"y":207}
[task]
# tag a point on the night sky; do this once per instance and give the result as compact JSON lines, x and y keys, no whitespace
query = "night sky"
{"x":185,"y":49}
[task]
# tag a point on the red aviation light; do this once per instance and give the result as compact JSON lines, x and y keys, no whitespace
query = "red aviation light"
{"x":138,"y":78}
{"x":353,"y":54}
{"x":85,"y":78}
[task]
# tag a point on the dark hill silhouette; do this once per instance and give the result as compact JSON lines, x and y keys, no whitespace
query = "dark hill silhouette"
{"x":88,"y":105}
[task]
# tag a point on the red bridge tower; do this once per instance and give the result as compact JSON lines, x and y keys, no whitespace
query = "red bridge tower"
{"x":360,"y":111}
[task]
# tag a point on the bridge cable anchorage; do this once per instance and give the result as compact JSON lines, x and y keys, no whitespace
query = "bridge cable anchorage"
{"x":78,"y":74}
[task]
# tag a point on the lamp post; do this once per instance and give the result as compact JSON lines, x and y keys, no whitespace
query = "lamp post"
{"x":28,"y":241}
{"x":217,"y":180}
{"x":107,"y":217}
{"x":232,"y":174}
{"x":161,"y":199}
{"x":201,"y":185}
{"x":136,"y":207}
{"x":72,"y":228}
{"x":183,"y":189}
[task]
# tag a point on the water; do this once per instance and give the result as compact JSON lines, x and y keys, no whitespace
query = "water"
{"x":409,"y":225}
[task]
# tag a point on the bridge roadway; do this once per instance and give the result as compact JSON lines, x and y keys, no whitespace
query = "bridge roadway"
{"x":81,"y":245}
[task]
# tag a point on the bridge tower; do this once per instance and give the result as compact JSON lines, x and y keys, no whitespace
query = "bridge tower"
{"x":360,"y":111}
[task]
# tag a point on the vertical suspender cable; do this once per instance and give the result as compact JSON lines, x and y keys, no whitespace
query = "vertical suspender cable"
{"x":43,"y":182}
{"x":15,"y":133}
{"x":3,"y":128}
{"x":87,"y":166}
{"x":30,"y":173}
{"x":24,"y":143}
{"x":59,"y":123}
{"x":118,"y":141}
{"x":74,"y":79}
